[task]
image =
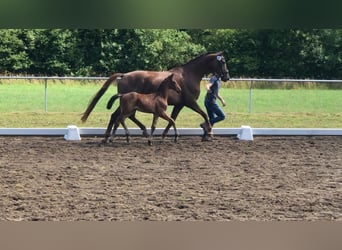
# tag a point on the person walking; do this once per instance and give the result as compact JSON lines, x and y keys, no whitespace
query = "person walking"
{"x":214,"y":111}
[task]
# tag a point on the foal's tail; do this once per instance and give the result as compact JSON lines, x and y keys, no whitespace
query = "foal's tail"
{"x":112,"y":100}
{"x":98,"y":95}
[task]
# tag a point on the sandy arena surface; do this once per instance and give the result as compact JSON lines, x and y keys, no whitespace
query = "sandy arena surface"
{"x":270,"y":178}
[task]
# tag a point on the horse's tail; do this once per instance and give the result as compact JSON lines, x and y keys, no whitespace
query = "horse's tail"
{"x":112,"y":100}
{"x":98,"y":95}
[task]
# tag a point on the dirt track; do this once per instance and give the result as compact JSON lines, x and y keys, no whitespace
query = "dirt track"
{"x":271,"y":178}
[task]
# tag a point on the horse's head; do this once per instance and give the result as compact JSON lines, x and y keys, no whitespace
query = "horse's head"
{"x":221,"y":68}
{"x":172,"y":84}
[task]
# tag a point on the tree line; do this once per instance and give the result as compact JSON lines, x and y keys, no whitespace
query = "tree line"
{"x":266,"y":53}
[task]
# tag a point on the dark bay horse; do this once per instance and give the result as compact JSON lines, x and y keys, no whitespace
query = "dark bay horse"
{"x":155,"y":103}
{"x":188,"y":76}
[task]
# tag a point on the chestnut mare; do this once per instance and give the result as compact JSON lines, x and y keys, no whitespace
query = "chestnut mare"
{"x":188,"y":76}
{"x":155,"y":103}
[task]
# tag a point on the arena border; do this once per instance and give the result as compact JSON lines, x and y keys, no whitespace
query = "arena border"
{"x":182,"y":131}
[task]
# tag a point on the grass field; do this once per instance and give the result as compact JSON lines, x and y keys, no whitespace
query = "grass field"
{"x":22,"y":105}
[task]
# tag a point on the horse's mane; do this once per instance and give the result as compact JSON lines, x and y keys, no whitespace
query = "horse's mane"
{"x":194,"y":59}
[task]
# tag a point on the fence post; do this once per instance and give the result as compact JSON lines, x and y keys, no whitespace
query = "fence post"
{"x":45,"y":95}
{"x":250,"y":98}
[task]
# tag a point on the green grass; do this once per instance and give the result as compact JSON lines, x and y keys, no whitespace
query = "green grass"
{"x":17,"y":97}
{"x":286,"y":101}
{"x":22,"y":105}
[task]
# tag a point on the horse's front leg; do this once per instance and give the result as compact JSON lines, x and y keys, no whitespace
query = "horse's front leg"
{"x":176,"y":132}
{"x":140,"y":125}
{"x":172,"y":122}
{"x":116,"y":125}
{"x":153,"y":127}
{"x":112,"y":120}
{"x":174,"y":114}
{"x":206,"y":125}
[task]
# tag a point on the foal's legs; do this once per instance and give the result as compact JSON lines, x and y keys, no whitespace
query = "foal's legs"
{"x":126,"y":130}
{"x":166,"y":117}
{"x":121,"y":120}
{"x":153,"y":127}
{"x":171,"y":121}
{"x":194,"y":106}
{"x":116,"y":125}
{"x":112,"y":120}
{"x":141,"y":126}
{"x":174,"y":114}
{"x":114,"y":117}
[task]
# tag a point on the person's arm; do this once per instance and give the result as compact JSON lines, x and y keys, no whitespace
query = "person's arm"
{"x":207,"y":87}
{"x":222,"y":100}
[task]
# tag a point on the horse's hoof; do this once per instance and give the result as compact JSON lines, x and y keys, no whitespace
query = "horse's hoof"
{"x":149,"y":142}
{"x":205,"y":128}
{"x":207,"y":138}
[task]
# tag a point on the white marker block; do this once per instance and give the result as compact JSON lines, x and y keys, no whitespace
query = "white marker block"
{"x":246,"y":133}
{"x":73,"y":133}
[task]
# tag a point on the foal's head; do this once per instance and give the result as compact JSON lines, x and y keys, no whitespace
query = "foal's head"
{"x":170,"y":83}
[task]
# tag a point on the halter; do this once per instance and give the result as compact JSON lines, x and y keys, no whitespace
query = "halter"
{"x":220,"y":62}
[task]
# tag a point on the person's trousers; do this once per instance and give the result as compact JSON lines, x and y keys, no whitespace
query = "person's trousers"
{"x":214,"y":111}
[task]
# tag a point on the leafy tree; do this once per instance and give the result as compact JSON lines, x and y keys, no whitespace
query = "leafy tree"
{"x":321,"y":53}
{"x":87,"y":49}
{"x":151,"y":49}
{"x":167,"y":48}
{"x":125,"y":50}
{"x":279,"y":53}
{"x":53,"y":52}
{"x":332,"y":41}
{"x":239,"y":47}
{"x":13,"y":53}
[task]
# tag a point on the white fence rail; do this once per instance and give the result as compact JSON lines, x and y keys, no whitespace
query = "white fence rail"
{"x":182,"y":131}
{"x":81,"y":78}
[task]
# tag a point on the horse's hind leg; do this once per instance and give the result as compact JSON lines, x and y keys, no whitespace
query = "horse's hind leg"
{"x":126,"y":130}
{"x":112,"y":120}
{"x":120,"y":120}
{"x":116,"y":125}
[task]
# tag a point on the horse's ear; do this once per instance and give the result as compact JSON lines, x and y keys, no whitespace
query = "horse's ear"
{"x":170,"y":76}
